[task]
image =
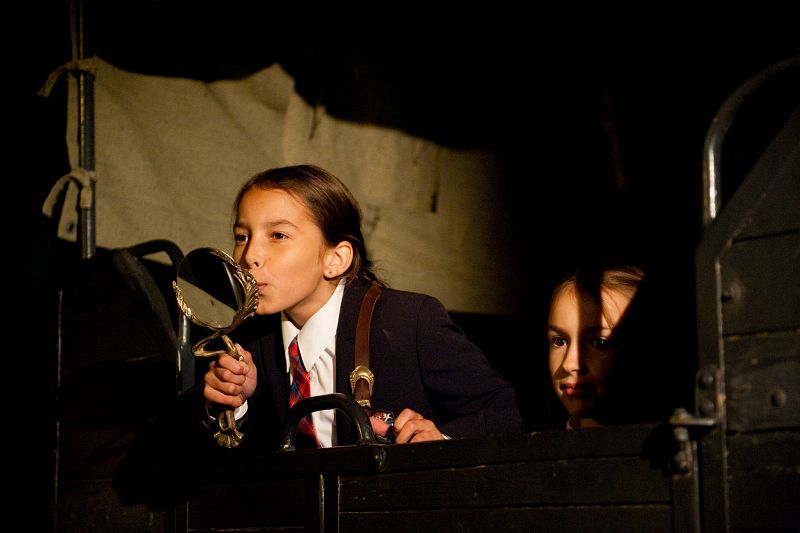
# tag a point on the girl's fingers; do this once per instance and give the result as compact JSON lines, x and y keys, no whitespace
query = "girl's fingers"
{"x":379,"y":427}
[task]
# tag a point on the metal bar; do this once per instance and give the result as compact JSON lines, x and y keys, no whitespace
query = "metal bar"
{"x":86,"y":159}
{"x":720,"y":125}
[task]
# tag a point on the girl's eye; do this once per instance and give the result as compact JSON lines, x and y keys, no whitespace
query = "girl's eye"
{"x":278,"y":236}
{"x":558,"y":342}
{"x":240,"y":238}
{"x":601,"y":343}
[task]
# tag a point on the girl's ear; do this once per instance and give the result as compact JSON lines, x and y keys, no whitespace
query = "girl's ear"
{"x":338,"y":259}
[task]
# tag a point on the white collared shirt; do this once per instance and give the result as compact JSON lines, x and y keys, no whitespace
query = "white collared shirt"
{"x":317,"y":343}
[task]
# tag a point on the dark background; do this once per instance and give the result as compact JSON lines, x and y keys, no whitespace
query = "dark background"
{"x":598,"y":118}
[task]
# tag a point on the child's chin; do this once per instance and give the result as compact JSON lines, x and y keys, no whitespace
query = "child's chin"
{"x":579,"y":408}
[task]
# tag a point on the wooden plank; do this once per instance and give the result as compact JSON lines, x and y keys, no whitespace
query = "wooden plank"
{"x":760,"y":281}
{"x":575,"y":481}
{"x":764,"y":481}
{"x":763,"y":381}
{"x":595,"y":442}
{"x":595,"y":519}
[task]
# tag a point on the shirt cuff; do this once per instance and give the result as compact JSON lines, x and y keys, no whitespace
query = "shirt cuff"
{"x":240,"y":411}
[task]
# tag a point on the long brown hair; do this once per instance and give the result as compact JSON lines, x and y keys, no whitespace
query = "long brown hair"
{"x":331,"y":204}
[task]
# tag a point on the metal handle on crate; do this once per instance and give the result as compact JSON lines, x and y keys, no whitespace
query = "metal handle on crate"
{"x":336,"y":400}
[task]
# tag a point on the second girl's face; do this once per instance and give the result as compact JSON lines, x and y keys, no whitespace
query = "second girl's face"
{"x":582,"y":349}
{"x":279,"y":242}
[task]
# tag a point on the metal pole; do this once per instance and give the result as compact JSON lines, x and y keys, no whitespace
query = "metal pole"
{"x":81,"y":50}
{"x":720,"y":125}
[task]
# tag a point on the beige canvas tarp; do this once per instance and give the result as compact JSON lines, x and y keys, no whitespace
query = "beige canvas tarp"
{"x":171,"y":154}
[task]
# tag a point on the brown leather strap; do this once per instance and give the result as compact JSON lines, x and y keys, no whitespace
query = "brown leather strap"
{"x":361,"y":379}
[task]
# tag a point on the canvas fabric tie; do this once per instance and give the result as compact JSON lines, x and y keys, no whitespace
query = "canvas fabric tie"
{"x":300,"y":388}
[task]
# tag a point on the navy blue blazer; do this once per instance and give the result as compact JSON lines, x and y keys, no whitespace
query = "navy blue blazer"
{"x":420,"y":359}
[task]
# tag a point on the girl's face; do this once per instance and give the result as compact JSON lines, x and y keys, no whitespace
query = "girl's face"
{"x":582,"y":349}
{"x":279,"y":242}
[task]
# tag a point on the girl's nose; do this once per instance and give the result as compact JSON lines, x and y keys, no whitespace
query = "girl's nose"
{"x":573,"y":361}
{"x":251,"y":258}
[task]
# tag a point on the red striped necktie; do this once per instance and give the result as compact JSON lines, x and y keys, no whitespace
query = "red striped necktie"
{"x":300,"y":388}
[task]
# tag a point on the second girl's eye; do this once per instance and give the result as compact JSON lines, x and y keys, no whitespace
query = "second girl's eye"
{"x":602,"y":343}
{"x":278,"y":236}
{"x":239,"y":238}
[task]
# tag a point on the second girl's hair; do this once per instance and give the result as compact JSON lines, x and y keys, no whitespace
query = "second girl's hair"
{"x":333,"y":207}
{"x":624,"y":279}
